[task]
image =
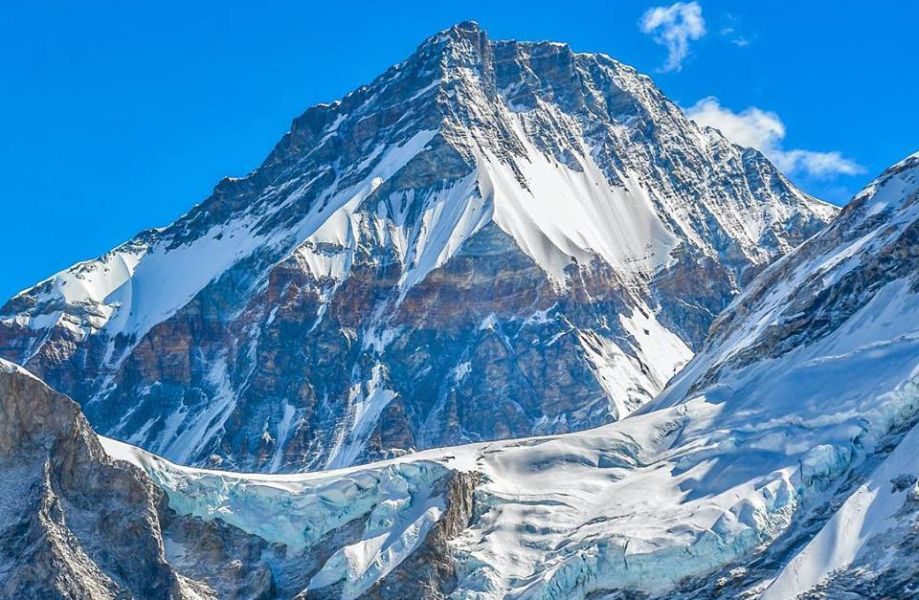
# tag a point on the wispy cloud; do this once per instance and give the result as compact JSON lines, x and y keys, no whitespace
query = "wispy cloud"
{"x":674,"y":27}
{"x":734,"y":37}
{"x":731,"y":30}
{"x":765,"y":131}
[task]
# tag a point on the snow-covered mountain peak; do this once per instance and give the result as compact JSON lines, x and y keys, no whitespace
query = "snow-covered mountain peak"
{"x":891,"y":190}
{"x":517,"y":210}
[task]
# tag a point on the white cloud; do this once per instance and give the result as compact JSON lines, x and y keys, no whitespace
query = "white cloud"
{"x":674,"y":27}
{"x":734,"y":37}
{"x":731,"y":30}
{"x":764,"y":130}
{"x":818,"y":164}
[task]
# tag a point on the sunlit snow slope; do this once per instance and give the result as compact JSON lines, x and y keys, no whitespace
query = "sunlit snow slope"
{"x":780,"y":460}
{"x":503,"y":225}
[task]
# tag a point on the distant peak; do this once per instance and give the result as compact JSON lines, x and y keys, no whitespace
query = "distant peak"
{"x":464,"y":30}
{"x":468,"y":26}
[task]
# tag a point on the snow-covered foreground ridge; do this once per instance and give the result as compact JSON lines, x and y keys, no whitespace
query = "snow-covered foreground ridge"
{"x":488,"y":223}
{"x":811,"y":378}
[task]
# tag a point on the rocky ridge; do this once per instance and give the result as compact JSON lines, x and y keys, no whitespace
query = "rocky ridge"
{"x":73,"y":524}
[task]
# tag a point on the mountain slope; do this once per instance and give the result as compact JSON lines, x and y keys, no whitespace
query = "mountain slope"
{"x":779,"y":462}
{"x":502,"y":225}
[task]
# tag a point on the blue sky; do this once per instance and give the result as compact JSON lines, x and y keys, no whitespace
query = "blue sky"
{"x":119,"y":116}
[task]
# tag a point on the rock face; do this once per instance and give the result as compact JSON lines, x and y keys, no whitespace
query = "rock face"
{"x":73,"y":524}
{"x":491,"y":239}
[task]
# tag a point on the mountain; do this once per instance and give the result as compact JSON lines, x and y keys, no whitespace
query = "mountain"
{"x":492,"y":239}
{"x":72,"y":523}
{"x":779,"y":464}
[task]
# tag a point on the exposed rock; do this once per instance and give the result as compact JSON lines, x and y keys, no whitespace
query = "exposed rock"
{"x":430,"y":571}
{"x":73,"y":524}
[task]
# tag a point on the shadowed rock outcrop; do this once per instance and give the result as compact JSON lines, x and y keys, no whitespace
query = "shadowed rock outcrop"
{"x":74,"y":523}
